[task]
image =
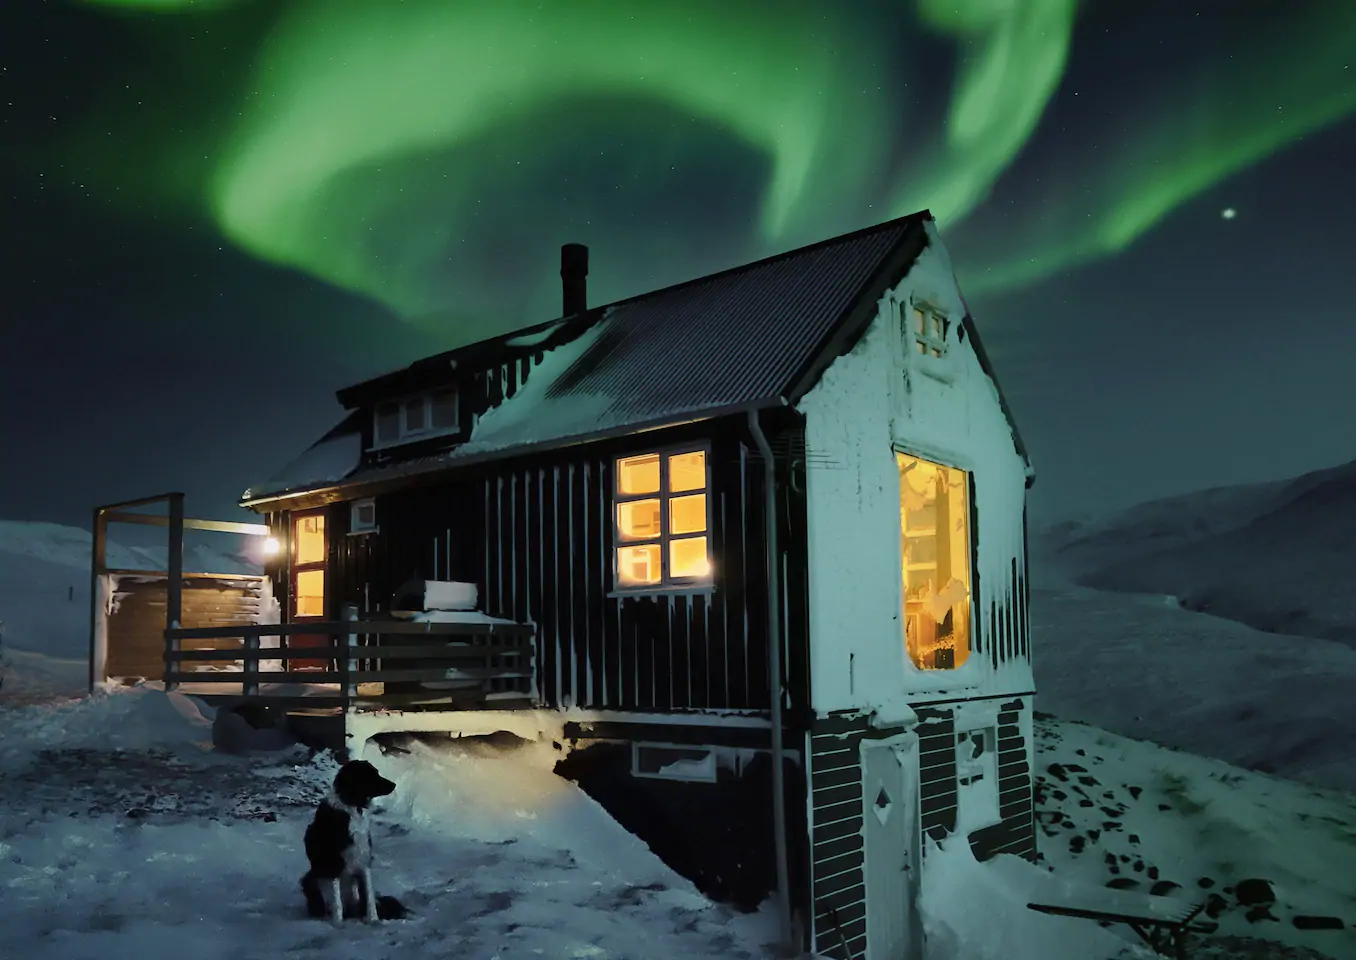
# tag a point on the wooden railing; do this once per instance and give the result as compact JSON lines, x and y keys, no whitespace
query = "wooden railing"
{"x":485,"y":652}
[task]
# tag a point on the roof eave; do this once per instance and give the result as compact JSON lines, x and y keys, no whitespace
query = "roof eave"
{"x":347,"y":490}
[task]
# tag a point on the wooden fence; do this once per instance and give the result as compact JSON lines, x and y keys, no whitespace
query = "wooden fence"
{"x":362,"y":653}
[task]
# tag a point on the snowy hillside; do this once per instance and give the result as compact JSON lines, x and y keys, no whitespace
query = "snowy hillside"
{"x":162,"y":843}
{"x":45,"y":580}
{"x":1275,"y":556}
{"x":1141,"y":666}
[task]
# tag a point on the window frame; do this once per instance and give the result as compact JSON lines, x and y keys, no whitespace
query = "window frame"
{"x":404,"y":433}
{"x":355,"y":527}
{"x":976,"y":628}
{"x":667,"y":583}
{"x":294,"y":567}
{"x":987,"y":766}
{"x":711,"y":755}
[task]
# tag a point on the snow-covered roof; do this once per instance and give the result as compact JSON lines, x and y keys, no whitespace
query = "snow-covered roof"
{"x":329,"y":460}
{"x":754,"y":336}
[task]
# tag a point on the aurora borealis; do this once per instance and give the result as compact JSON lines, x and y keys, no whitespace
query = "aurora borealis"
{"x":372,"y":135}
{"x":354,"y":182}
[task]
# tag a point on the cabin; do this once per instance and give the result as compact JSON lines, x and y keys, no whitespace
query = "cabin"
{"x":767,"y":531}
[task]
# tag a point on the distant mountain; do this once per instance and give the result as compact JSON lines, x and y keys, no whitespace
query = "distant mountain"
{"x":45,"y":581}
{"x":1278,"y":556}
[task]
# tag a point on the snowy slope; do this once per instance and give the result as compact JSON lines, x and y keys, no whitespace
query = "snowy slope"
{"x":123,"y":834}
{"x":1141,"y":666}
{"x":45,"y":581}
{"x":1275,"y":556}
{"x":165,"y":846}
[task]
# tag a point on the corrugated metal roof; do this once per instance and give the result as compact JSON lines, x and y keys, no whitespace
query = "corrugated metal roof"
{"x":742,"y":338}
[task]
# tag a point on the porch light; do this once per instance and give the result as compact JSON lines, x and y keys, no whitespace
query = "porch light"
{"x":271,"y":547}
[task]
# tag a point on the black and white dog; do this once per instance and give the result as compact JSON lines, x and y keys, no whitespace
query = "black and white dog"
{"x":339,"y":848}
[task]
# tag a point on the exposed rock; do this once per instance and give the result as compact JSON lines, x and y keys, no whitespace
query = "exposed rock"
{"x":1317,"y":923}
{"x":1260,"y":912}
{"x":1254,"y":890}
{"x":1164,"y":887}
{"x":1205,"y":883}
{"x":1122,"y":883}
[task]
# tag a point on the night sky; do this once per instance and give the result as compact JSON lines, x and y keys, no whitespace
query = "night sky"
{"x":219,"y":212}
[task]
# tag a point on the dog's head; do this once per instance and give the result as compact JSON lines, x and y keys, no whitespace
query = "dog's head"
{"x":357,"y":783}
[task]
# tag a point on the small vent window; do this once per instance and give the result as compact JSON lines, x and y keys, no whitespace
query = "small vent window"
{"x":670,"y":762}
{"x":977,"y":778}
{"x":363,"y":516}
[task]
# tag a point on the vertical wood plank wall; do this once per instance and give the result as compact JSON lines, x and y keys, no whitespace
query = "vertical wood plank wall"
{"x":548,"y":560}
{"x":535,"y":536}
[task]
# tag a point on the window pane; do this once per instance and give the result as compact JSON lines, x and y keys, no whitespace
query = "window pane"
{"x":388,"y":422}
{"x":638,"y":519}
{"x":920,"y":321}
{"x":638,"y":565}
{"x":414,"y":415}
{"x":638,"y":474}
{"x":310,"y":599}
{"x":934,"y":509}
{"x":687,"y":471}
{"x":364,"y":514}
{"x":309,"y":540}
{"x":444,"y":410}
{"x":687,"y":558}
{"x":687,"y":514}
{"x":922,"y":347}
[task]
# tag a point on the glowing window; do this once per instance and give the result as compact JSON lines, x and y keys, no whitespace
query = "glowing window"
{"x":309,"y":540}
{"x":934,"y":511}
{"x":662,"y":520}
{"x":310,"y":598}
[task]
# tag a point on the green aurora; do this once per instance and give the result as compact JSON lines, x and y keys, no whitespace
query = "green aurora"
{"x":376,"y":144}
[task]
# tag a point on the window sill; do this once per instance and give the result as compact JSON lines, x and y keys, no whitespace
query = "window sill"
{"x":364,"y":533}
{"x":942,"y":374}
{"x":675,"y":590}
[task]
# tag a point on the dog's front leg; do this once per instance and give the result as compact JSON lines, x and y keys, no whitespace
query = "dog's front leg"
{"x":369,"y":897}
{"x":336,"y":901}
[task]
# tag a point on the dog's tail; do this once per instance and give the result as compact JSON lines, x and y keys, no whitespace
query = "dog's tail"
{"x":315,"y":901}
{"x":389,"y":908}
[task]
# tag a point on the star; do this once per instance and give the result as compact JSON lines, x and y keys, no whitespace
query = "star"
{"x":1228,"y":213}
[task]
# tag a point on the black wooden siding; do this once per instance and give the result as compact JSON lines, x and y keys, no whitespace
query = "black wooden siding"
{"x":535,"y":536}
{"x":837,"y":852}
{"x":548,"y":560}
{"x":837,"y":855}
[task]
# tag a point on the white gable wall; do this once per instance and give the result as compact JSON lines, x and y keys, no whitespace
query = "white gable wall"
{"x":868,"y":403}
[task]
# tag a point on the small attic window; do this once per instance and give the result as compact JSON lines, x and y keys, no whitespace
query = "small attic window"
{"x":925,"y":329}
{"x":415,"y":418}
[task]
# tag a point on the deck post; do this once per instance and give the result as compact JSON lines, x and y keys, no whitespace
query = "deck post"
{"x":98,"y":625}
{"x":249,"y":686}
{"x":347,"y":663}
{"x":174,"y":587}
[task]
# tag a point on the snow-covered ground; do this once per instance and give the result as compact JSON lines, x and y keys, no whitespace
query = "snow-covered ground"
{"x":123,"y":834}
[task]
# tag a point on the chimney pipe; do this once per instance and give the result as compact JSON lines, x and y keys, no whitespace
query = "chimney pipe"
{"x":574,"y":271}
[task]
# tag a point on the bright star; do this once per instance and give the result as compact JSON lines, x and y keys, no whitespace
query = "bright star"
{"x":1228,"y":213}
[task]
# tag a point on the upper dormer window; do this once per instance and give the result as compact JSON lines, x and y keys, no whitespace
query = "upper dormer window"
{"x":414,"y":418}
{"x":925,"y":329}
